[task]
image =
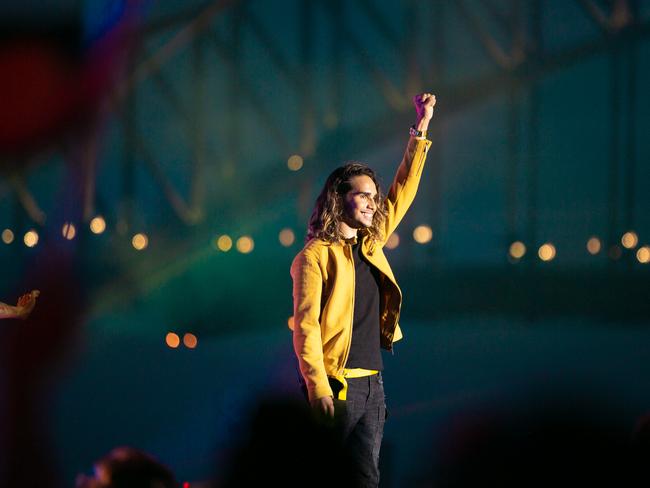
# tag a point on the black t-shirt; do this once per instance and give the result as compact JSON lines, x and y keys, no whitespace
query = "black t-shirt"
{"x":365,"y":350}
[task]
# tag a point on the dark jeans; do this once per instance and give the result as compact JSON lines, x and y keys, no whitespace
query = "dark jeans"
{"x":361,"y":418}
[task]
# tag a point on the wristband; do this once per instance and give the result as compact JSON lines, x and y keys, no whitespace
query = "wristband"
{"x":417,"y":133}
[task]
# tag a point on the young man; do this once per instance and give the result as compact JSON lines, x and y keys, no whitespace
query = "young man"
{"x":346,"y":299}
{"x":22,"y":309}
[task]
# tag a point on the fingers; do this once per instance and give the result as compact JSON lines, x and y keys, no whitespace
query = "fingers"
{"x":424,"y":99}
{"x":330,"y":408}
{"x":35,"y":293}
{"x":324,"y":406}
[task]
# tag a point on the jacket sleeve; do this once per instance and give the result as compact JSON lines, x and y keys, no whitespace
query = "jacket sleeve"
{"x":307,"y":339}
{"x":405,"y":184}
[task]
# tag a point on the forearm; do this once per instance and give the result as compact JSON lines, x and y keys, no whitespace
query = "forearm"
{"x":422,"y":124}
{"x":9,"y":312}
{"x":309,"y":351}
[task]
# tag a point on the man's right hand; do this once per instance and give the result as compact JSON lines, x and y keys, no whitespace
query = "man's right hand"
{"x":324,"y":405}
{"x":26,"y":303}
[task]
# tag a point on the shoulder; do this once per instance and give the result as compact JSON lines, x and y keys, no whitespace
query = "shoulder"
{"x":314,"y":252}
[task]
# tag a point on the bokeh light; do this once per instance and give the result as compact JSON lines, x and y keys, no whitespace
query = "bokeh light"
{"x":594,"y":245}
{"x":546,"y":252}
{"x":287,"y":237}
{"x":224,"y":243}
{"x":69,"y":231}
{"x":643,"y":254}
{"x":190,"y":340}
{"x":393,"y":241}
{"x":422,"y":234}
{"x":517,"y":250}
{"x":245,"y":244}
{"x":630,"y":240}
{"x":7,"y":236}
{"x":295,"y":162}
{"x":97,"y":225}
{"x":140,"y":241}
{"x":31,"y":238}
{"x":172,"y":340}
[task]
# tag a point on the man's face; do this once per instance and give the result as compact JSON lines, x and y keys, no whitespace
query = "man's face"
{"x":359,"y":202}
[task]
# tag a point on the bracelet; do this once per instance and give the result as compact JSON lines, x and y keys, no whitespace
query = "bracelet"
{"x":417,"y":133}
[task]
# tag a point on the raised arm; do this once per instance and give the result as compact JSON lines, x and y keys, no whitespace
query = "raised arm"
{"x":22,"y":309}
{"x":406,"y":181}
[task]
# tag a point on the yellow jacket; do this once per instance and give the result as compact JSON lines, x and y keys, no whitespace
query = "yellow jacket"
{"x":323,"y":286}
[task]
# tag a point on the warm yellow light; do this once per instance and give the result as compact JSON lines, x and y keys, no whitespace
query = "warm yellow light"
{"x":630,"y":240}
{"x":190,"y":340}
{"x":245,"y":244}
{"x":97,"y":225}
{"x":140,"y":241}
{"x":393,"y":241}
{"x":31,"y":238}
{"x":594,"y":245}
{"x":7,"y":236}
{"x":295,"y":162}
{"x":287,"y":237}
{"x":546,"y":252}
{"x":422,"y":234}
{"x":290,"y":322}
{"x":69,"y":231}
{"x":643,"y":254}
{"x":517,"y":250}
{"x":172,"y":340}
{"x":224,"y":243}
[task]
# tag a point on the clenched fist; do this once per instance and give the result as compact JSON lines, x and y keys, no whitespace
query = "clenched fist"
{"x":424,"y":103}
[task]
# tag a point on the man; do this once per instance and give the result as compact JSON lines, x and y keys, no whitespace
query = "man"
{"x":346,"y":299}
{"x":22,"y":309}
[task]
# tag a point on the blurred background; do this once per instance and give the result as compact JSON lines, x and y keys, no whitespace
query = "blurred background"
{"x":159,"y":162}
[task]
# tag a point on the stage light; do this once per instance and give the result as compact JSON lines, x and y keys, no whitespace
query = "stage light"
{"x":630,"y":240}
{"x":517,"y":250}
{"x":593,"y":245}
{"x":643,"y":254}
{"x":245,"y":244}
{"x":190,"y":340}
{"x":69,"y":231}
{"x":546,"y":252}
{"x":224,"y":243}
{"x":97,"y":225}
{"x":172,"y":340}
{"x":422,"y":234}
{"x":31,"y":238}
{"x":393,"y":241}
{"x":287,"y":237}
{"x":295,"y":162}
{"x":140,"y":241}
{"x":7,"y":236}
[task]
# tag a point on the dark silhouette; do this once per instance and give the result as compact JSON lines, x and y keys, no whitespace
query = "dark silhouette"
{"x":126,"y":467}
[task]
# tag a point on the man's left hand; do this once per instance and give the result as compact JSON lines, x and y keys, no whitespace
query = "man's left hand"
{"x":424,"y":103}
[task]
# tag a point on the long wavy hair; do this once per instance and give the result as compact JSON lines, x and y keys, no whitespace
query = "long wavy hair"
{"x":329,"y":209}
